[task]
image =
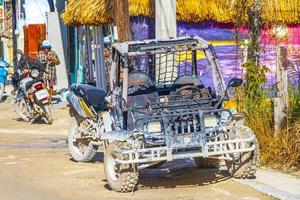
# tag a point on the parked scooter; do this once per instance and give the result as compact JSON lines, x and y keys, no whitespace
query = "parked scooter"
{"x":3,"y":76}
{"x":88,"y":109}
{"x":32,"y":97}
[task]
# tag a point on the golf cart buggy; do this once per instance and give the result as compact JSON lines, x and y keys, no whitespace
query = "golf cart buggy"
{"x":161,"y":110}
{"x":161,"y":107}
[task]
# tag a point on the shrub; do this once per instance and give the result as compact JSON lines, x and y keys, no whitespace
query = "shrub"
{"x":281,"y":151}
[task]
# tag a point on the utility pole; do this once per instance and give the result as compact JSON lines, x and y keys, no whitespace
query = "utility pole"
{"x":14,"y":37}
{"x":254,"y":24}
{"x":121,"y":20}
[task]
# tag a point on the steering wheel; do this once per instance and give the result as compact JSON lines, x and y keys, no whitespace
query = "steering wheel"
{"x":188,"y":87}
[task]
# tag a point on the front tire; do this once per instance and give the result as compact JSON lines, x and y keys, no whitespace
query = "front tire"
{"x":121,"y":178}
{"x":21,"y":109}
{"x":246,"y":164}
{"x":80,"y":149}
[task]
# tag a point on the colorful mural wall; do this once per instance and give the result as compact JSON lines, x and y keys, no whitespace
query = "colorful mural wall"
{"x":224,"y":37}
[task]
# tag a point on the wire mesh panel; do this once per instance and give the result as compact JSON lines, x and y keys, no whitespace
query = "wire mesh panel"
{"x":165,"y":61}
{"x":165,"y":68}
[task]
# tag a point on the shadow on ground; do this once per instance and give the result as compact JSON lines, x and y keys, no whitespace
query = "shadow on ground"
{"x":179,"y":174}
{"x":97,"y":158}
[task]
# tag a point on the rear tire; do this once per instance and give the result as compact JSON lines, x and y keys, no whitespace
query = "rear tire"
{"x":206,"y":163}
{"x":90,"y":151}
{"x":121,"y":178}
{"x":48,"y":115}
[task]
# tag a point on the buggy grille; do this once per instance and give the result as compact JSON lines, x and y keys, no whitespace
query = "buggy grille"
{"x":180,"y":128}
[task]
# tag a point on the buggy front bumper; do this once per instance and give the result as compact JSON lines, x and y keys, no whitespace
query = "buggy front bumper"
{"x":218,"y":148}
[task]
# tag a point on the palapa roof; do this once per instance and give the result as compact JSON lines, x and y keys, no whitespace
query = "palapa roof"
{"x":90,"y":12}
{"x":96,"y":12}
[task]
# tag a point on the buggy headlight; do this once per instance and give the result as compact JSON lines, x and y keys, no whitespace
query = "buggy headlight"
{"x":154,"y":127}
{"x":35,"y":73}
{"x":210,"y":121}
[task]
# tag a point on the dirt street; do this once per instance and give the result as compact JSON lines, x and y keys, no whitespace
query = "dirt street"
{"x":35,"y":165}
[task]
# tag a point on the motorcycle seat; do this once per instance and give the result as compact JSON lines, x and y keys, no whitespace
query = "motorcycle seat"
{"x":91,"y":95}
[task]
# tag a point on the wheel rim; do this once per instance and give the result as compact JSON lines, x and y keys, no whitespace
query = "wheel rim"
{"x":22,"y":109}
{"x":113,"y":168}
{"x":79,"y":144}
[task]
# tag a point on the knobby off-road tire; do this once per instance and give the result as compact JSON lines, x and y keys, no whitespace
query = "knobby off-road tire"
{"x":206,"y":163}
{"x":74,"y":150}
{"x":48,"y":115}
{"x":246,"y":166}
{"x":121,"y":178}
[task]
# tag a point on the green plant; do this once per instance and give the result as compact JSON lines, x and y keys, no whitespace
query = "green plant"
{"x":294,"y":103}
{"x":255,"y":80}
{"x":280,"y":151}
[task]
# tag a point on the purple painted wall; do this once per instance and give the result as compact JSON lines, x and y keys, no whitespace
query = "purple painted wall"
{"x":228,"y":53}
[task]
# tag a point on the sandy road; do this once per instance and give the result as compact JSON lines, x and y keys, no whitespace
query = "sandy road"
{"x":35,"y":164}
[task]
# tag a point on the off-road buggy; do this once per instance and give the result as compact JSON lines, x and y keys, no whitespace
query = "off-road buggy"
{"x":162,"y":107}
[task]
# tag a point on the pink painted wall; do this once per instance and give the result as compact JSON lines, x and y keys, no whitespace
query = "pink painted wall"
{"x":292,"y":38}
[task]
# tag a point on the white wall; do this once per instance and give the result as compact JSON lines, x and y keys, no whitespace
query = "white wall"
{"x":56,"y":35}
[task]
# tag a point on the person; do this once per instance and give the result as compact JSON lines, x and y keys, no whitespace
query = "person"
{"x":3,"y":76}
{"x":107,"y":61}
{"x":47,"y":54}
{"x":107,"y":58}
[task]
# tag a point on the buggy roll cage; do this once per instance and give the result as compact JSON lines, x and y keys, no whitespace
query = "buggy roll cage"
{"x":123,"y":52}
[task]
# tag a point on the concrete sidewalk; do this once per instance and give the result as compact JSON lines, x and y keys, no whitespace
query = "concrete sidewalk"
{"x":276,"y":184}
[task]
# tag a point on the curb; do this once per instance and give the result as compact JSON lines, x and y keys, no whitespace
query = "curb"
{"x":268,"y":189}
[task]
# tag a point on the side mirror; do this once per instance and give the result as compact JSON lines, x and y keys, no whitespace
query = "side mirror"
{"x":235,"y":82}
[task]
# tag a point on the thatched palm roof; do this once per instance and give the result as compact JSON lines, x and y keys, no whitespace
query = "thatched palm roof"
{"x":95,"y":12}
{"x":91,"y":12}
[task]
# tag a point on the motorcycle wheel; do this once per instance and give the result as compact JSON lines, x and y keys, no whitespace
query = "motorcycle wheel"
{"x":81,"y":150}
{"x":48,"y":115}
{"x":21,"y":109}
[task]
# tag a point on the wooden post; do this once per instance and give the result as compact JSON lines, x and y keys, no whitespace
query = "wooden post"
{"x":281,"y":101}
{"x":254,"y":24}
{"x":121,"y":20}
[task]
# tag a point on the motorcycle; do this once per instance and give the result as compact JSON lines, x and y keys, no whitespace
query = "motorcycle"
{"x":31,"y":100}
{"x":88,"y":109}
